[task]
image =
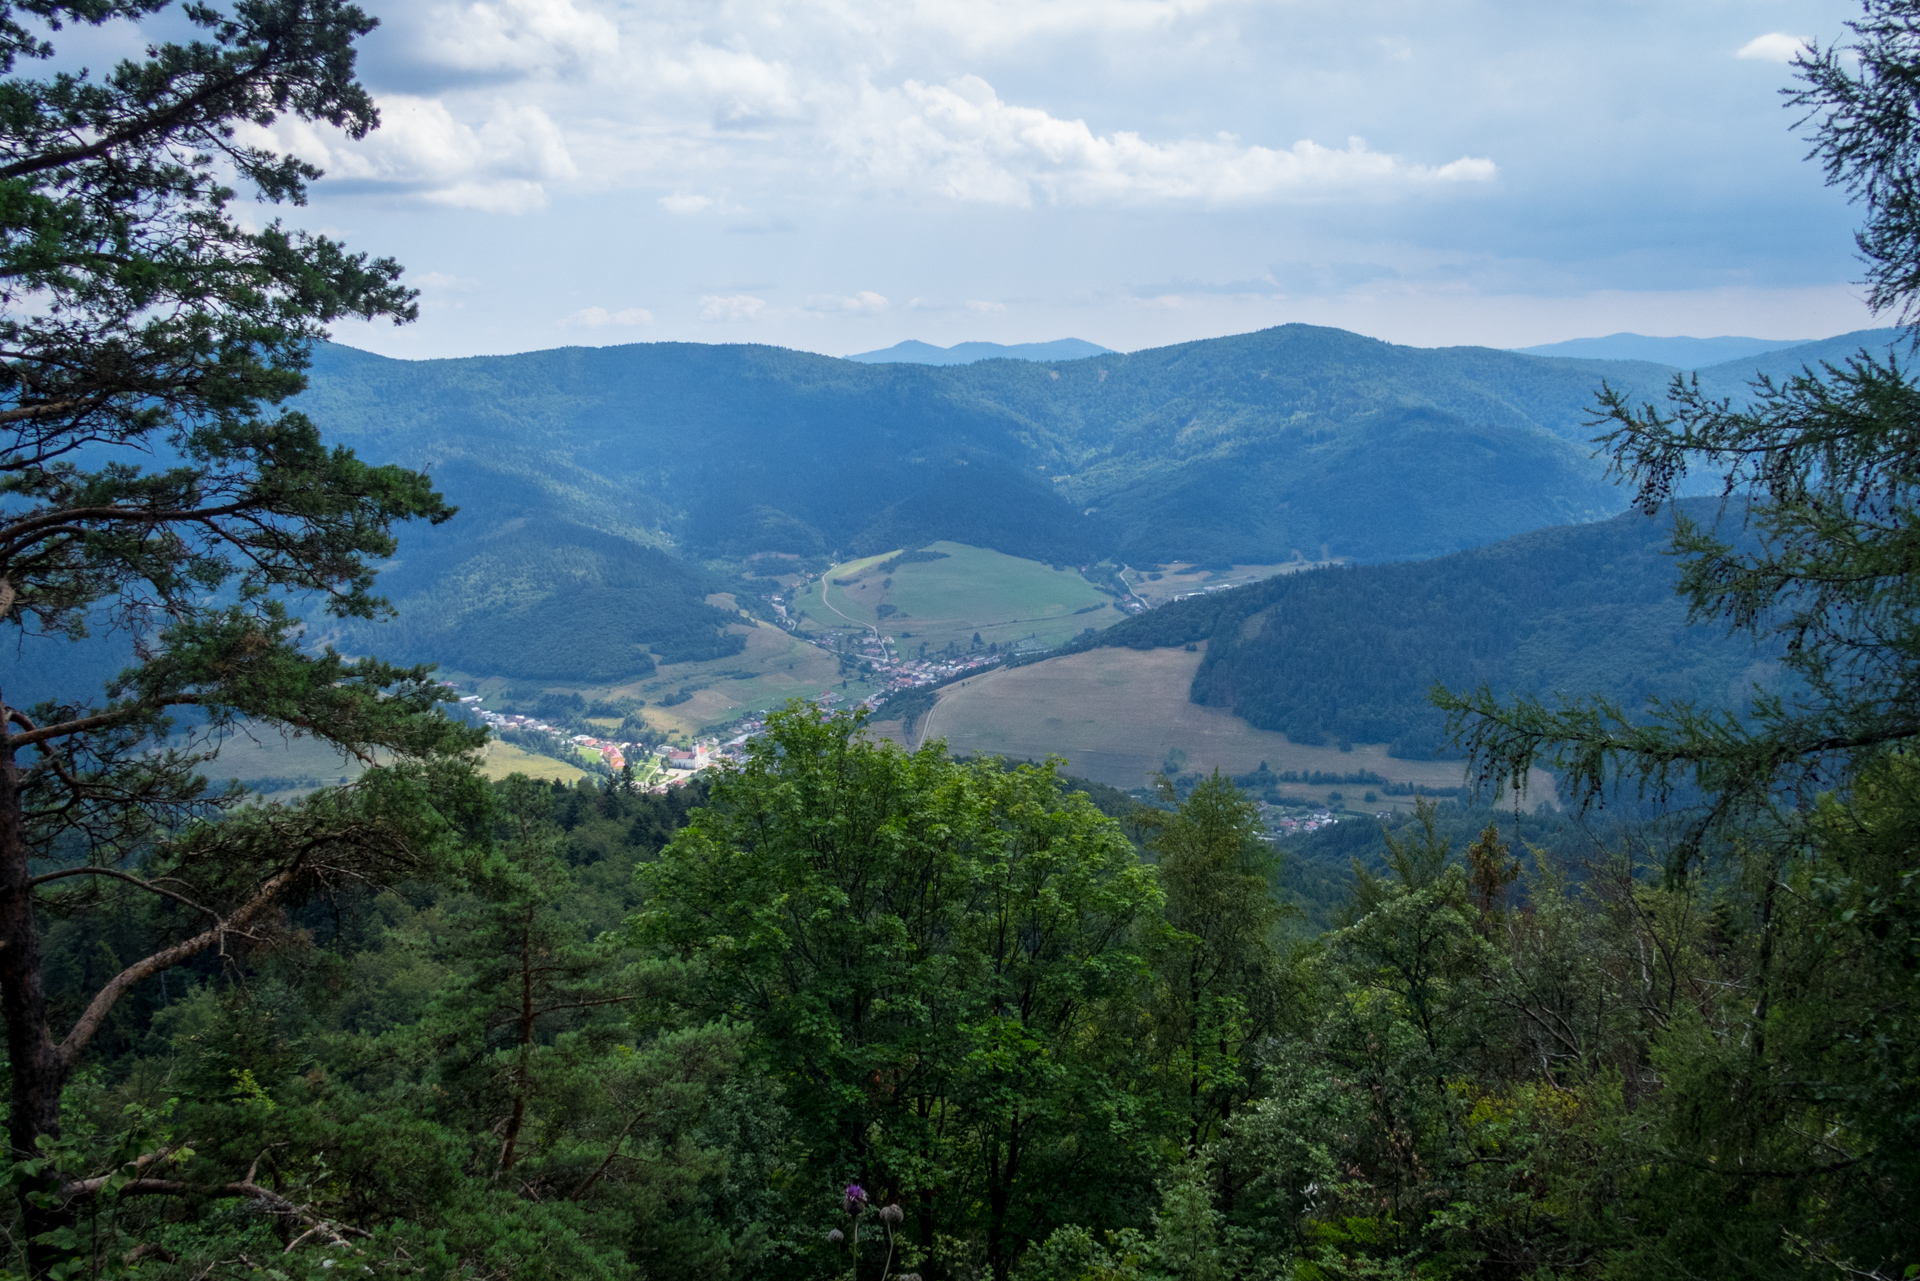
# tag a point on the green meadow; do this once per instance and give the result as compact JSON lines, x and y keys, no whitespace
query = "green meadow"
{"x":947,"y":601}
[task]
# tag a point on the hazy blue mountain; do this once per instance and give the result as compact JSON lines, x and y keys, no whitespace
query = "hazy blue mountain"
{"x":594,"y":481}
{"x":1351,"y":653}
{"x":915,"y":352}
{"x":1681,"y":353}
{"x":1733,"y":377}
{"x":606,"y":493}
{"x":1243,"y":448}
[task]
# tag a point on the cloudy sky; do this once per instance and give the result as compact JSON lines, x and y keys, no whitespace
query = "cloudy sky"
{"x":838,"y":175}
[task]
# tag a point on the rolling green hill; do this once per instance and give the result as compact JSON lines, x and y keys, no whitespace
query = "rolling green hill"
{"x":1349,"y":654}
{"x":536,"y":598}
{"x":602,"y":489}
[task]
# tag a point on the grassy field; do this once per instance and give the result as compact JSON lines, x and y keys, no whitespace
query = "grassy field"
{"x":266,"y":755}
{"x":773,"y":668}
{"x":302,"y":764}
{"x":1005,"y":599}
{"x":1118,"y":715}
{"x":502,"y":759}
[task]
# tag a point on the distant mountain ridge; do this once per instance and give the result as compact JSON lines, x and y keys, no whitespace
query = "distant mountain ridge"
{"x":1715,"y":353}
{"x":915,"y":352}
{"x":642,"y":472}
{"x":1680,"y":352}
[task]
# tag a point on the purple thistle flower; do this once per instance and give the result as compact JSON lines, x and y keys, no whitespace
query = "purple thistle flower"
{"x":856,"y":1198}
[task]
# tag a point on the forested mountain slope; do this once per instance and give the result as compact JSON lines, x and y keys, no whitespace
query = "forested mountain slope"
{"x":569,"y":464}
{"x":736,"y":449}
{"x":1351,"y":653}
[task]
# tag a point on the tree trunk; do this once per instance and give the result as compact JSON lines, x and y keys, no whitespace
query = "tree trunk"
{"x":1000,"y":1177}
{"x":929,"y":1265}
{"x":1195,"y":1104}
{"x":997,"y":1195}
{"x":37,"y":1069}
{"x":509,"y":1147}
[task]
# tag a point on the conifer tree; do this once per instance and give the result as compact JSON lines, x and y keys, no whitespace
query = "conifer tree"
{"x":1770,"y":1101}
{"x":153,"y":481}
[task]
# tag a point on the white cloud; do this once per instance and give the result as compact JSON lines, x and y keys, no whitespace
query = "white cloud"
{"x":732,"y":307}
{"x":866,"y":301}
{"x":837,"y":100}
{"x":961,"y":141}
{"x":687,"y":203}
{"x":601,"y":318}
{"x":986,"y":308}
{"x":733,"y":87}
{"x":1775,"y":46}
{"x":441,"y":280}
{"x":420,"y":147}
{"x":499,"y":195}
{"x":988,"y":24}
{"x":515,"y":35}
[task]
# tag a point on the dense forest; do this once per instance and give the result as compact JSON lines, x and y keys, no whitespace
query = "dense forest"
{"x":537,"y":599}
{"x":859,"y":1009}
{"x":703,"y":445}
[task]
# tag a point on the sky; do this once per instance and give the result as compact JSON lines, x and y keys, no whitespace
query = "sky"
{"x":839,"y":175}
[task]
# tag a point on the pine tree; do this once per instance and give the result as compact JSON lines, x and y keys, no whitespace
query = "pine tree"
{"x":154,"y":482}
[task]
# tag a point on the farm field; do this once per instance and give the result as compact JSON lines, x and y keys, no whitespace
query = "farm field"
{"x":292,"y":766}
{"x":933,"y":603}
{"x":773,"y":668}
{"x":265,"y":756}
{"x":501,"y":759}
{"x":1119,"y":715}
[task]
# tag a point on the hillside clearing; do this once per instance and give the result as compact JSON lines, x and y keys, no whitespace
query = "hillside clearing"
{"x":966,"y":591}
{"x":1118,"y":715}
{"x":1157,"y":586}
{"x":501,"y":759}
{"x":264,"y":756}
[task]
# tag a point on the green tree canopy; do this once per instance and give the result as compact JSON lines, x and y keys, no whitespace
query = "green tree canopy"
{"x":933,"y":956}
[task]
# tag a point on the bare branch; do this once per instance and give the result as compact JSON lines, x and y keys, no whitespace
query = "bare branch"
{"x":166,"y":958}
{"x":149,"y":886}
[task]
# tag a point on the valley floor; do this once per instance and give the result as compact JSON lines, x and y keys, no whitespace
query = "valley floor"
{"x":1120,"y":715}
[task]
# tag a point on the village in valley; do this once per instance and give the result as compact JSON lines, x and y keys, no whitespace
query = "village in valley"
{"x":878,"y":661}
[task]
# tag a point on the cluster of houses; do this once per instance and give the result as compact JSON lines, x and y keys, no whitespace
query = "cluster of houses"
{"x":1291,"y":825}
{"x":615,"y":755}
{"x":917,"y":673}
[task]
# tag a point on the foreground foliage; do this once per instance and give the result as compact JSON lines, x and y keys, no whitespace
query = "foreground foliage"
{"x":620,"y":1035}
